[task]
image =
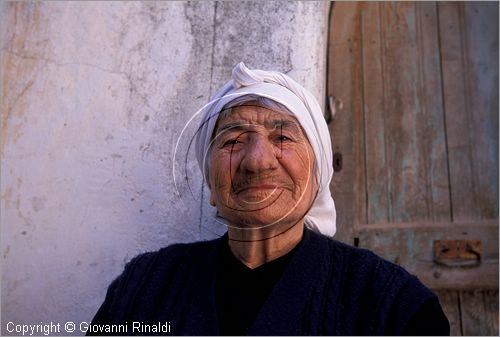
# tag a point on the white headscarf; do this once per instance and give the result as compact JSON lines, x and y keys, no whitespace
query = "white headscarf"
{"x":302,"y":104}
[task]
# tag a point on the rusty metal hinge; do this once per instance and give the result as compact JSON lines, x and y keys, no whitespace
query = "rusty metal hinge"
{"x":333,"y":106}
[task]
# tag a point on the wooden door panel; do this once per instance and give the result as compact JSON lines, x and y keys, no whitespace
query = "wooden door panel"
{"x":404,"y":122}
{"x":397,"y":132}
{"x":469,"y":57}
{"x":456,"y":114}
{"x":374,"y":106}
{"x":419,"y":137}
{"x":481,"y":68}
{"x":410,"y":151}
{"x":344,"y":74}
{"x":434,"y":131}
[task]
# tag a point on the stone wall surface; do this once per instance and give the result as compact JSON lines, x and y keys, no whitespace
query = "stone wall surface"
{"x":94,"y":96}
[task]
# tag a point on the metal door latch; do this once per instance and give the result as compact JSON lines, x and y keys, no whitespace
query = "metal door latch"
{"x":457,"y":253}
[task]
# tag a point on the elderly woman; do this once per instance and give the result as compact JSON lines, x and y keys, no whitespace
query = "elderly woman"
{"x":264,"y":149}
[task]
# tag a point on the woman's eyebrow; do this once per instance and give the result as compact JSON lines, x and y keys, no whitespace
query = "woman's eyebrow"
{"x":283,"y":124}
{"x":269,"y":124}
{"x":236,"y":126}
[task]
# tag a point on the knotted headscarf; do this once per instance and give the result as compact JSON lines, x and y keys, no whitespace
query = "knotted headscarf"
{"x":302,"y":104}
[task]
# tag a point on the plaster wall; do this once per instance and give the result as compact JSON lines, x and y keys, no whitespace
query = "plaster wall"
{"x":93,"y":98}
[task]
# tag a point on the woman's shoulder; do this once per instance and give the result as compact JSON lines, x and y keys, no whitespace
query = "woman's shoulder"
{"x":148,"y":273}
{"x":171,"y":255}
{"x":377,"y":288}
{"x":361,"y":262}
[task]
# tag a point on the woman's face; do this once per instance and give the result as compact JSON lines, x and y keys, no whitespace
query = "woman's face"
{"x":262,"y":168}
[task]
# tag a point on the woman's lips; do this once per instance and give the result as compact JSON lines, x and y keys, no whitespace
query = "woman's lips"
{"x":260,"y":187}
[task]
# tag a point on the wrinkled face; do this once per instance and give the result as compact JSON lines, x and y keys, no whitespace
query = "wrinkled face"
{"x":261,"y":169}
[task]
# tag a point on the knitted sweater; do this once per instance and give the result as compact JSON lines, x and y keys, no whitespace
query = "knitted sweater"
{"x":328,"y":288}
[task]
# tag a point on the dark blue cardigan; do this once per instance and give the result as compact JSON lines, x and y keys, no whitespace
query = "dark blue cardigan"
{"x":328,"y":288}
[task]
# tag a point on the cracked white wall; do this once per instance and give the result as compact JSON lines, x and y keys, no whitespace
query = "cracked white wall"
{"x":94,"y":96}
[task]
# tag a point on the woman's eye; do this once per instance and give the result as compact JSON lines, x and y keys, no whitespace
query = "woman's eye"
{"x":283,"y":138}
{"x":231,"y":142}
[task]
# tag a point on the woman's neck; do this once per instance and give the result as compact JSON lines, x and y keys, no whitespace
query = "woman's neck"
{"x":257,"y":247}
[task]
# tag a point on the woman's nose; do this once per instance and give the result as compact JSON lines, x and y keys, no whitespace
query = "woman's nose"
{"x":260,"y":155}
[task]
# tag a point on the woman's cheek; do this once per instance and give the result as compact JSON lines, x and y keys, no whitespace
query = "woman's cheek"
{"x":297,"y":163}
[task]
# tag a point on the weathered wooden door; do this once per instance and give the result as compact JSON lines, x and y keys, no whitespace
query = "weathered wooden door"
{"x":415,"y":137}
